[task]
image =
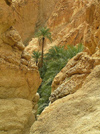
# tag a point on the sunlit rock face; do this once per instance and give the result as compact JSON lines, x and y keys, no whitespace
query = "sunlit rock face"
{"x":30,"y":15}
{"x":19,"y":78}
{"x":25,"y":13}
{"x":75,"y":22}
{"x":71,"y":22}
{"x":75,"y":102}
{"x":72,"y":76}
{"x":46,"y":7}
{"x":6,"y":16}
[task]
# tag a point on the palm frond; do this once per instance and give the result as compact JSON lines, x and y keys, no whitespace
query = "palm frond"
{"x":36,"y":54}
{"x":54,"y":61}
{"x":44,"y":32}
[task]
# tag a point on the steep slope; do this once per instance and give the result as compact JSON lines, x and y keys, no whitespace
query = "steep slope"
{"x":72,"y":76}
{"x":19,"y":79}
{"x":75,"y":22}
{"x":30,"y":15}
{"x":25,"y":13}
{"x":45,"y":9}
{"x":78,"y":112}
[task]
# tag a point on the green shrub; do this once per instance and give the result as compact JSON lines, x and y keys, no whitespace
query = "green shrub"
{"x":36,"y":55}
{"x":54,"y":61}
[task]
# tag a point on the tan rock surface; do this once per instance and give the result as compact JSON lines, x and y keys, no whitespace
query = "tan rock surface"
{"x":30,"y":15}
{"x":78,"y":65}
{"x":23,"y":79}
{"x":78,"y":113}
{"x":33,"y":46}
{"x":15,"y":116}
{"x":6,"y":16}
{"x":72,"y":76}
{"x":73,"y":22}
{"x":45,"y":9}
{"x":25,"y":13}
{"x":19,"y":78}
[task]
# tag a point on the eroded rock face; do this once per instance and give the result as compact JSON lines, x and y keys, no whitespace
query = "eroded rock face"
{"x":75,"y":22}
{"x":19,"y":79}
{"x":15,"y":115}
{"x":72,"y":76}
{"x":76,"y":113}
{"x":6,"y":16}
{"x":25,"y":13}
{"x":46,"y":7}
{"x":16,"y":65}
{"x":30,"y":15}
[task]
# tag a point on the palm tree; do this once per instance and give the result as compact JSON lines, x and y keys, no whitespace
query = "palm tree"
{"x":36,"y":55}
{"x":43,"y":33}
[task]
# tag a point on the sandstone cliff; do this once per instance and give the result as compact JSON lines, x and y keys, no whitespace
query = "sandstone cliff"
{"x":76,"y":102}
{"x":19,"y":79}
{"x":76,"y":21}
{"x":75,"y":90}
{"x":75,"y":97}
{"x":73,"y":22}
{"x":30,"y":15}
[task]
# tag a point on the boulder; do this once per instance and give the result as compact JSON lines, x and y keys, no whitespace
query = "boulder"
{"x":76,"y":113}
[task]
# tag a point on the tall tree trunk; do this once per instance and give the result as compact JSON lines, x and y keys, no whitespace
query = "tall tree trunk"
{"x":36,"y":62}
{"x":43,"y":39}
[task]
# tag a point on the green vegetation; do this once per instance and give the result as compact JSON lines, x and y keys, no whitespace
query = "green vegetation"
{"x":54,"y":61}
{"x":42,"y":34}
{"x":36,"y":55}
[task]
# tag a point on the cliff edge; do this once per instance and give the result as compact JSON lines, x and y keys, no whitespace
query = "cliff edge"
{"x":19,"y":79}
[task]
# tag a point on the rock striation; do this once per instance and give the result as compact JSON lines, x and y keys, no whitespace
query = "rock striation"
{"x":19,"y":78}
{"x":72,"y":76}
{"x":76,"y":102}
{"x":75,"y":97}
{"x":30,"y":15}
{"x":73,"y":22}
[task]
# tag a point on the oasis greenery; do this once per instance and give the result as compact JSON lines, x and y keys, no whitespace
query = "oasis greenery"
{"x":42,"y":34}
{"x":36,"y":55}
{"x":54,"y":61}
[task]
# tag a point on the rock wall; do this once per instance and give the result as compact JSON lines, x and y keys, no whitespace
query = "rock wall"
{"x":75,"y":22}
{"x":30,"y":15}
{"x":75,"y":104}
{"x":45,"y":9}
{"x":71,"y":22}
{"x":19,"y":79}
{"x":25,"y":13}
{"x":72,"y":76}
{"x":75,"y":101}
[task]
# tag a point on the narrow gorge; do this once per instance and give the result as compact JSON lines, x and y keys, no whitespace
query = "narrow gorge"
{"x":62,"y":96}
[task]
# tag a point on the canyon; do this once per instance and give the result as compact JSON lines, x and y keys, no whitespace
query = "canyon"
{"x":19,"y":79}
{"x":74,"y":102}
